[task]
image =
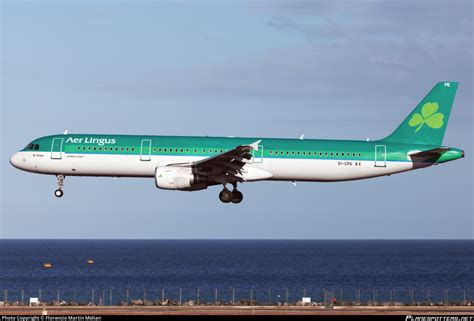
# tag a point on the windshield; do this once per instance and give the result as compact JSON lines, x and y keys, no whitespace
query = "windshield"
{"x":32,"y":147}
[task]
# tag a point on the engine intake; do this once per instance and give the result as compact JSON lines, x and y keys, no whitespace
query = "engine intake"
{"x":179,"y":178}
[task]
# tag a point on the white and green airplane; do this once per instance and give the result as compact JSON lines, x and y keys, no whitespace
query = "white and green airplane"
{"x":194,"y":163}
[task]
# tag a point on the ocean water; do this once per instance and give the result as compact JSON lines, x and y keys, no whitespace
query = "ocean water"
{"x":265,"y":270}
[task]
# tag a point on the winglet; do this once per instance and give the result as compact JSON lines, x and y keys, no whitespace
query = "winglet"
{"x":255,"y":145}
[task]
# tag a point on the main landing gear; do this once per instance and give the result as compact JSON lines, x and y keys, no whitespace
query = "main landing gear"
{"x":59,"y":192}
{"x":233,"y":196}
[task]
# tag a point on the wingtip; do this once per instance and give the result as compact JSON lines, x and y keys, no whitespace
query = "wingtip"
{"x":254,"y":145}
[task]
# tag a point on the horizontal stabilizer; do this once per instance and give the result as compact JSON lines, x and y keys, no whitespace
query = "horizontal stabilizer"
{"x":431,"y":154}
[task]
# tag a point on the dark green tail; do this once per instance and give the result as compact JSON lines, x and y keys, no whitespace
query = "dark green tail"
{"x":428,"y":121}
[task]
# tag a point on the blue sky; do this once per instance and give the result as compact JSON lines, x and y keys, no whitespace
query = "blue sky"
{"x":326,"y":69}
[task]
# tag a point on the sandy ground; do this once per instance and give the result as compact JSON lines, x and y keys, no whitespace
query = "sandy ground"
{"x":237,"y":310}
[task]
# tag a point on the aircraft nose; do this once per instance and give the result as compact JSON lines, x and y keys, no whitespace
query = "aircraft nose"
{"x":16,"y":160}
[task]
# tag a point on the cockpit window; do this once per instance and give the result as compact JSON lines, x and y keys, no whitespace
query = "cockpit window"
{"x":32,"y":147}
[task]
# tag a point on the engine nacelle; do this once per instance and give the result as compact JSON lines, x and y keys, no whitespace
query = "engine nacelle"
{"x":179,"y":178}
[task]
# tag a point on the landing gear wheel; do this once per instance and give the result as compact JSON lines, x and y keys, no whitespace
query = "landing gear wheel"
{"x":58,"y":193}
{"x":225,"y":196}
{"x":237,"y":196}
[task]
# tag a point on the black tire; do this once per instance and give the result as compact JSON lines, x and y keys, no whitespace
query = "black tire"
{"x":225,"y":196}
{"x":58,"y":193}
{"x":237,"y":197}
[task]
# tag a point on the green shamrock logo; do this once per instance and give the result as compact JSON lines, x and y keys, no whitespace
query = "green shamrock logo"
{"x":428,"y":116}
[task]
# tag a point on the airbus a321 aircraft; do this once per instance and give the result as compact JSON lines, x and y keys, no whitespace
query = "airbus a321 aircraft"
{"x":195,"y":163}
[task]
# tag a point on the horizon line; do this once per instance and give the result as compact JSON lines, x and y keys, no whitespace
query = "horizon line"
{"x":227,"y":239}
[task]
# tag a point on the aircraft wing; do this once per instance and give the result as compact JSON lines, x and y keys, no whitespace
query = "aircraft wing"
{"x":229,"y":162}
{"x":228,"y":166}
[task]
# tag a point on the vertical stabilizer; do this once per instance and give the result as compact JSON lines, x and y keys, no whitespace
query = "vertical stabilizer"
{"x":427,"y":123}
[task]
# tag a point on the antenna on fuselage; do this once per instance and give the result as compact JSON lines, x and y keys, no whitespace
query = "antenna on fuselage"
{"x":302,"y":137}
{"x":65,"y":132}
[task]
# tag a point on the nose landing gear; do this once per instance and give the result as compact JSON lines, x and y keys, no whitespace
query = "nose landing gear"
{"x":59,"y":192}
{"x":233,"y":196}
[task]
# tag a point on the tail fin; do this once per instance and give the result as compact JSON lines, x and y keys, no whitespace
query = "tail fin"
{"x":427,"y":122}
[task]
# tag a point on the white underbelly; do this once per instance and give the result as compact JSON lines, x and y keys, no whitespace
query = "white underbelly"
{"x":329,"y":170}
{"x":103,"y":165}
{"x":281,"y":169}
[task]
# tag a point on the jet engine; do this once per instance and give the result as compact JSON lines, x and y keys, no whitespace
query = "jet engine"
{"x":179,"y":178}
